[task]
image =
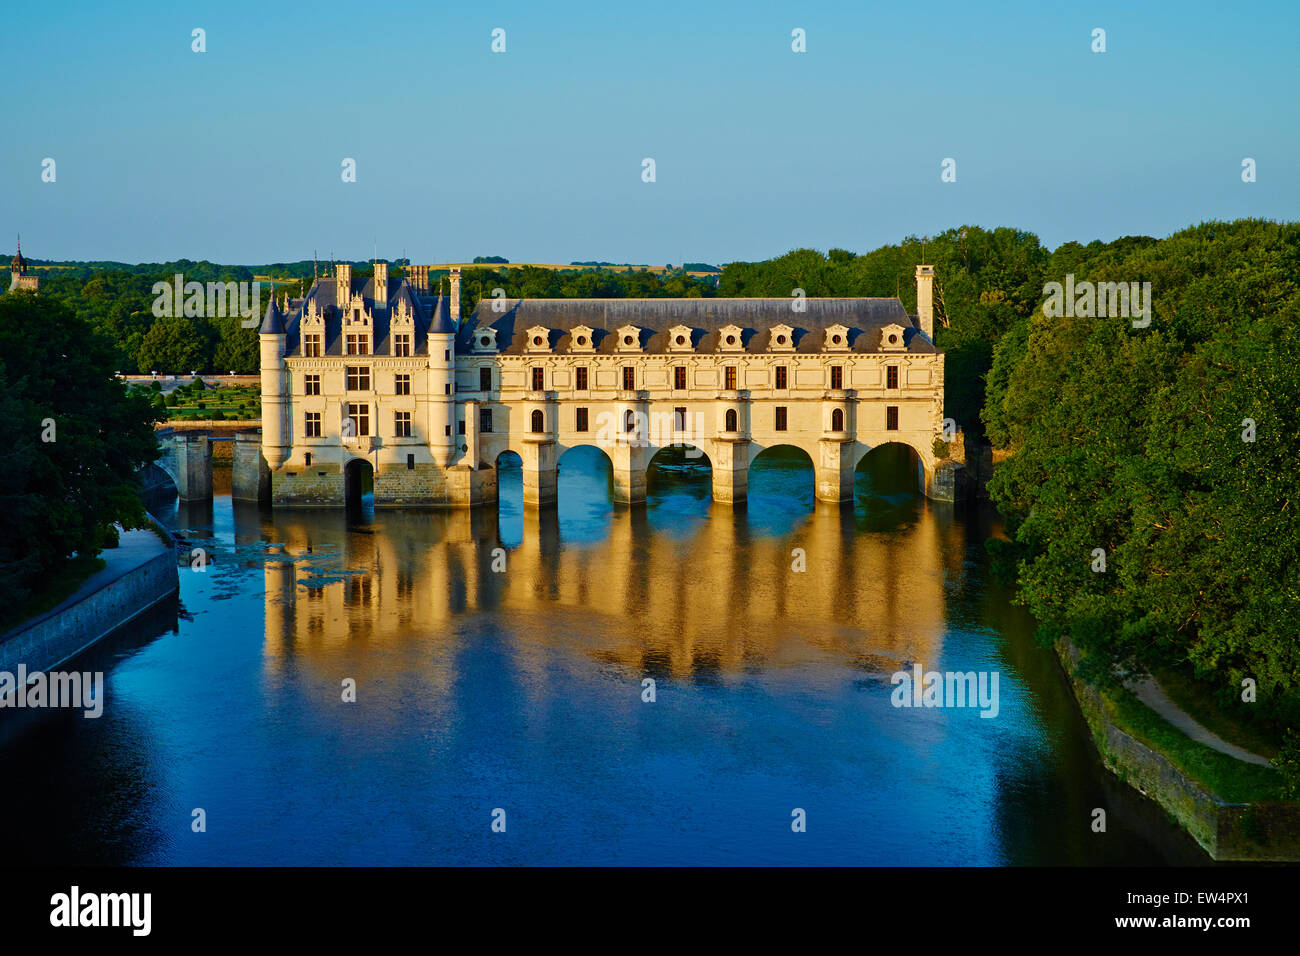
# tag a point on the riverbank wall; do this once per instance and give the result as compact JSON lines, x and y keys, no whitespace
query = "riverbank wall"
{"x":139,"y":573}
{"x":1259,"y":832}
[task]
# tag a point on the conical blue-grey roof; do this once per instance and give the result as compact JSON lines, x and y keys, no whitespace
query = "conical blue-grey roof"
{"x":273,"y":324}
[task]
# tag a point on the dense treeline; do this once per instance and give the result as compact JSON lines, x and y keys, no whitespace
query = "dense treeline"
{"x":1173,"y":449}
{"x":117,"y":300}
{"x":75,"y":437}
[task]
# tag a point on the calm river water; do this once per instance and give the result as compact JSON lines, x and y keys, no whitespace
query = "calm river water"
{"x":521,"y":689}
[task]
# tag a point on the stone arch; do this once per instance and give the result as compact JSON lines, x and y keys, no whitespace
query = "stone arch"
{"x":590,"y":486}
{"x":680,"y":464}
{"x":357,"y":473}
{"x":787,"y":458}
{"x":924,"y":458}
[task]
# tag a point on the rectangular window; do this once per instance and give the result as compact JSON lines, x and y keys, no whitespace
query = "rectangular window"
{"x":537,"y":378}
{"x":730,"y":378}
{"x":891,"y":376}
{"x":485,"y":420}
{"x":358,"y":343}
{"x":782,"y":377}
{"x":446,"y":388}
{"x":311,"y":384}
{"x":312,"y":345}
{"x":679,"y":419}
{"x":410,"y":466}
{"x":780,"y":418}
{"x":460,"y":427}
{"x":485,"y":378}
{"x":358,"y":378}
{"x":580,"y":374}
{"x":311,"y":427}
{"x":446,"y":430}
{"x":837,"y":376}
{"x":402,"y":424}
{"x":579,"y":419}
{"x":629,"y":378}
{"x":360,"y":416}
{"x":679,"y":377}
{"x":402,"y":344}
{"x":401,"y":384}
{"x":891,"y":418}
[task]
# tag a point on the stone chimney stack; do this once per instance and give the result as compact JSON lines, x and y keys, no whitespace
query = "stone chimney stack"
{"x":381,"y":284}
{"x":454,"y":278}
{"x":343,"y":284}
{"x":925,"y":299}
{"x":419,"y":277}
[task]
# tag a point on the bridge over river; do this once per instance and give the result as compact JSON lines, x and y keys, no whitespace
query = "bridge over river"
{"x":186,"y":462}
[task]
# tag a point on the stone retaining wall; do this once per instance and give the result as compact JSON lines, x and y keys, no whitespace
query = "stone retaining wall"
{"x":1226,"y":831}
{"x":50,"y":639}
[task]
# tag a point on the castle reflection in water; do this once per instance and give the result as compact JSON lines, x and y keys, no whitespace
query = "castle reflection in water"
{"x":684,"y":588}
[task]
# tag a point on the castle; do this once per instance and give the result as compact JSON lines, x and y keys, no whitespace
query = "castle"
{"x":19,"y":279}
{"x":384,"y":381}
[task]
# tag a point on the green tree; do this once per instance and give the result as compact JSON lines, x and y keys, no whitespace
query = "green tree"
{"x":76,"y":438}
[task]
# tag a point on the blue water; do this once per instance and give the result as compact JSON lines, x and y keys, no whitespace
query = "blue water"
{"x":520,"y":689}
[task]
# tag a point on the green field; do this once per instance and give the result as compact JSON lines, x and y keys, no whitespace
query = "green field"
{"x":209,"y":403}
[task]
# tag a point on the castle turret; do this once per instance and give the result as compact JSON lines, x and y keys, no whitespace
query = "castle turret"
{"x":442,"y":383}
{"x":275,"y":398}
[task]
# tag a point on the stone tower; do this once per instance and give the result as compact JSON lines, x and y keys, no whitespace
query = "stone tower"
{"x":18,"y":268}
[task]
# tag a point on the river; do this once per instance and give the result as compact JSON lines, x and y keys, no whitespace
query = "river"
{"x":499,"y":660}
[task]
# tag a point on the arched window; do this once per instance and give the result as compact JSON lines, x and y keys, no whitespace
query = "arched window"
{"x":629,"y":421}
{"x":538,"y":420}
{"x":731,"y":420}
{"x":837,"y":419}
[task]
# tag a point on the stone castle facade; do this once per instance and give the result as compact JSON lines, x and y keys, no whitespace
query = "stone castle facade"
{"x":384,"y":378}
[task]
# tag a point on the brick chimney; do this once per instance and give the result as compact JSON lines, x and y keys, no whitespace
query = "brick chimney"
{"x":925,"y":299}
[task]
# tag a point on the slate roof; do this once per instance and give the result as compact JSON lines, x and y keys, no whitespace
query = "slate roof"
{"x":865,"y":318}
{"x":427,"y":311}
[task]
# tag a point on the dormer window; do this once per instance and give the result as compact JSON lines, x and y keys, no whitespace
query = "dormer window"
{"x":629,"y":339}
{"x":485,"y":340}
{"x":358,"y":328}
{"x":539,"y":339}
{"x":679,"y":339}
{"x":402,"y":329}
{"x":730,"y":338}
{"x":781,"y":339}
{"x":891,"y":339}
{"x":837,"y":339}
{"x":313,"y":331}
{"x":582,"y":339}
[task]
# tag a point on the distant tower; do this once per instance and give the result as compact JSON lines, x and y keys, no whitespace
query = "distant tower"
{"x":18,"y":268}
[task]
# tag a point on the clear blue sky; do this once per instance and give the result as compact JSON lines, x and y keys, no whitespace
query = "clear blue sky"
{"x":234,"y":155}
